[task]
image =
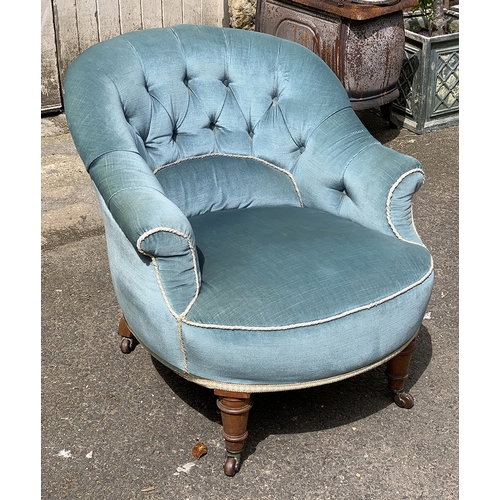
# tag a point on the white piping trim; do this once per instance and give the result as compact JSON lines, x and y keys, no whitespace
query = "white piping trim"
{"x":193,"y":256}
{"x":315,"y":322}
{"x":388,"y":204}
{"x":162,"y":290}
{"x":248,"y":157}
{"x":260,"y":388}
{"x":179,"y":317}
{"x":181,"y":344}
{"x":172,"y":312}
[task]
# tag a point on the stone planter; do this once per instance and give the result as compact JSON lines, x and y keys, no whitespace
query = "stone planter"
{"x":429,"y":81}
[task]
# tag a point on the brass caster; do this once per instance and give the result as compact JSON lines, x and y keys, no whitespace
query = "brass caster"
{"x":232,"y":464}
{"x":404,"y":400}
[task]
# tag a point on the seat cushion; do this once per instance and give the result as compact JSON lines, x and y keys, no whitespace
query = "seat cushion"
{"x":358,"y":297}
{"x":294,"y":297}
{"x":276,"y":267}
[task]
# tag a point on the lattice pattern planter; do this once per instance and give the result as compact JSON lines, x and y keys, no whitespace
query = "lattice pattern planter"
{"x":429,"y":82}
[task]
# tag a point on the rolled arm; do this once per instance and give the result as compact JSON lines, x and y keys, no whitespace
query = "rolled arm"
{"x":152,"y":223}
{"x":346,"y":171}
{"x":379,"y":186}
{"x":135,"y":198}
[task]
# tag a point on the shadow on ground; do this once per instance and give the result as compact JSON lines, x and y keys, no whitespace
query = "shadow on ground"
{"x":307,"y":410}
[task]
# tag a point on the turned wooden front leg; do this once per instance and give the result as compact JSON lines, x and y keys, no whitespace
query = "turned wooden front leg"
{"x":397,"y":373}
{"x":234,"y":407}
{"x":123,"y":328}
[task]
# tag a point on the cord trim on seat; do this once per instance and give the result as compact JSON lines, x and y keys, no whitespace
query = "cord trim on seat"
{"x":314,"y":322}
{"x":179,"y":317}
{"x":174,"y":314}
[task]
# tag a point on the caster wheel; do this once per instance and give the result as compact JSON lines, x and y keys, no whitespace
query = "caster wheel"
{"x":404,"y":400}
{"x":230,"y":466}
{"x":126,"y":345}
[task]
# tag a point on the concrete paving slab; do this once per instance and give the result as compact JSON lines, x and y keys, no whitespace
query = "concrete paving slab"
{"x":70,"y":209}
{"x":122,"y":426}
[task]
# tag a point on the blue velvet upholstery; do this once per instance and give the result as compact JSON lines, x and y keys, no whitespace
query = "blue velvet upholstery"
{"x":259,"y":238}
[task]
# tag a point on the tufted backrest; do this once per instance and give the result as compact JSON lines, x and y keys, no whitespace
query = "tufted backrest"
{"x":216,"y":118}
{"x":195,"y":90}
{"x":198,"y":91}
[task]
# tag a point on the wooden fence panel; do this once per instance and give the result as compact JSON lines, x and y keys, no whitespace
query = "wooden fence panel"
{"x":109,"y":18}
{"x":192,"y":12}
{"x":86,"y":20}
{"x":172,"y":12}
{"x":214,"y":13}
{"x":152,"y":14}
{"x":50,"y":87}
{"x":66,"y":31}
{"x":77,"y":24}
{"x":130,"y":15}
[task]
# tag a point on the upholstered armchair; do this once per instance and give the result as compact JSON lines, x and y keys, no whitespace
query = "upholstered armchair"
{"x":259,"y":238}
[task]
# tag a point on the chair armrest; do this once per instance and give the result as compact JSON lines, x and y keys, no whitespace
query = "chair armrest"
{"x":347,"y":172}
{"x":152,"y":223}
{"x":380,"y":184}
{"x":136,"y":200}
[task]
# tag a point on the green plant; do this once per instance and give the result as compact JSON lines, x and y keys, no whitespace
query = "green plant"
{"x":433,"y":11}
{"x":425,"y":6}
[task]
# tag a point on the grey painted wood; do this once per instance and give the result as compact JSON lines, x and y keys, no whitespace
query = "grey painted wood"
{"x":71,"y":26}
{"x":50,"y":86}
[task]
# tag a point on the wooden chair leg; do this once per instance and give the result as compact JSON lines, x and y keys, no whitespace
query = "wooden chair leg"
{"x":128,"y":341}
{"x":234,"y":407}
{"x":397,"y":373}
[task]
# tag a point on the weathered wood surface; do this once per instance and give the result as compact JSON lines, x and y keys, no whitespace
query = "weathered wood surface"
{"x":50,"y":88}
{"x":71,"y":26}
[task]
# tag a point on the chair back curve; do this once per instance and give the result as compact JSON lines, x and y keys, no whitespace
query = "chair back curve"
{"x":173,"y":94}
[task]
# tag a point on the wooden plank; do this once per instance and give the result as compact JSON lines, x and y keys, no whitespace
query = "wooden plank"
{"x":172,"y":12}
{"x":86,"y":16}
{"x":108,"y":19}
{"x":213,"y":13}
{"x":152,"y":14}
{"x":192,"y":11}
{"x":78,"y":24}
{"x":130,"y":15}
{"x":50,"y":85}
{"x":66,"y":34}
